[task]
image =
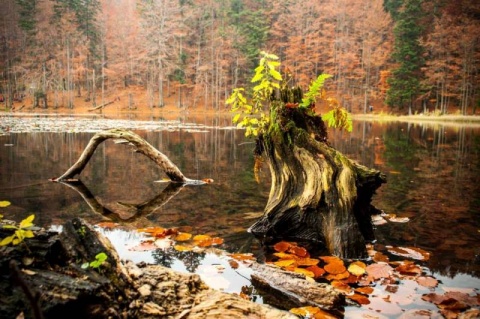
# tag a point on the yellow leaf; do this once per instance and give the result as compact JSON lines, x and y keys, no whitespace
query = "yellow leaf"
{"x":305,"y":311}
{"x":27,"y":222}
{"x":182,"y":248}
{"x":6,"y":240}
{"x":28,"y":234}
{"x":183,"y":237}
{"x":284,"y":262}
{"x":305,"y":272}
{"x":356,"y":270}
{"x":201,"y":237}
{"x":5,"y":203}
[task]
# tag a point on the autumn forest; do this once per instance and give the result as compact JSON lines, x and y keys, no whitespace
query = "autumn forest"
{"x":407,"y":56}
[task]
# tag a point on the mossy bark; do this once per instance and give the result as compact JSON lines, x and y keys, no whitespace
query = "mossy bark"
{"x":318,"y":196}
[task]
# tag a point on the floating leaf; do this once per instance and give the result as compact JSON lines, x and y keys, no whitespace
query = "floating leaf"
{"x":357,"y":268}
{"x":317,"y":271}
{"x":217,"y":241}
{"x":360,"y":299}
{"x":399,"y":220}
{"x":299,"y":251}
{"x":335,"y":267}
{"x":410,"y":252}
{"x":379,"y":270}
{"x":182,"y":248}
{"x":284,"y":262}
{"x":330,"y":259}
{"x":409,"y":269}
{"x":285,"y":256}
{"x":144,"y":246}
{"x":305,"y":311}
{"x":364,"y":290}
{"x":233,"y":264}
{"x":108,"y":225}
{"x":151,"y":230}
{"x":241,"y":257}
{"x":307,"y":261}
{"x":202,"y":237}
{"x":343,"y":275}
{"x":5,"y":203}
{"x":183,"y":236}
{"x":305,"y":272}
{"x":379,"y":257}
{"x":282,"y":246}
{"x":428,"y":282}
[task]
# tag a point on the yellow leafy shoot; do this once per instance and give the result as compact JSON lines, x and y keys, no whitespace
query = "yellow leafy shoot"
{"x":21,"y":232}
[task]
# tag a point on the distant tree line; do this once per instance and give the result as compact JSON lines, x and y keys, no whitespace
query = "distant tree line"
{"x":413,"y":55}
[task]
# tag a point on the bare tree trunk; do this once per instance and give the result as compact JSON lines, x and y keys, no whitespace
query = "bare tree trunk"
{"x":141,"y":146}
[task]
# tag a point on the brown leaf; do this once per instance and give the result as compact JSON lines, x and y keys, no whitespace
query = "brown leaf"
{"x":428,"y":282}
{"x":379,"y":257}
{"x":409,"y":269}
{"x":410,"y":252}
{"x":364,"y":290}
{"x":360,"y":299}
{"x":233,"y":264}
{"x":379,"y":270}
{"x":241,"y":257}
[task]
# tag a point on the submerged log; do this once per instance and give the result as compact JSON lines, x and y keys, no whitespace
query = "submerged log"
{"x":140,"y":145}
{"x":318,"y":196}
{"x":286,"y":290}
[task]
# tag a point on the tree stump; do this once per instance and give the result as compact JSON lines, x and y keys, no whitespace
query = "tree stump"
{"x":318,"y":196}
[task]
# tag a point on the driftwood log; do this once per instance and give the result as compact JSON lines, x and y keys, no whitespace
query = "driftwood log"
{"x":318,"y":196}
{"x":140,"y":145}
{"x":43,"y":278}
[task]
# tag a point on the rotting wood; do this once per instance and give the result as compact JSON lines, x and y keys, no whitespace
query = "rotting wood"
{"x":141,"y":146}
{"x":318,"y":196}
{"x":286,"y":289}
{"x":51,"y":269}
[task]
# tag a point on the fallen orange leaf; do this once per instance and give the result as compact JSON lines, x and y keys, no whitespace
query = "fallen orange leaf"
{"x":282,"y":246}
{"x":299,"y":251}
{"x":242,"y":256}
{"x":108,"y":225}
{"x":285,"y":256}
{"x":307,"y":261}
{"x":317,"y":271}
{"x":341,"y":276}
{"x":360,"y":299}
{"x":335,"y":267}
{"x":428,"y":282}
{"x":217,"y":241}
{"x":182,"y":248}
{"x":183,"y":237}
{"x":364,"y":290}
{"x":305,"y":272}
{"x":284,"y":262}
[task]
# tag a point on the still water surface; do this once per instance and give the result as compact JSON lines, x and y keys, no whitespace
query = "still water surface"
{"x":433,"y":179}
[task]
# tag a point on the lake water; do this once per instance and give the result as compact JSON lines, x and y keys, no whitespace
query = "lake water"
{"x":433,"y":174}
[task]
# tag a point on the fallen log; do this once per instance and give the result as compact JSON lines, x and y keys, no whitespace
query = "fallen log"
{"x":141,"y":146}
{"x":286,"y":290}
{"x":101,"y":106}
{"x":49,"y":266}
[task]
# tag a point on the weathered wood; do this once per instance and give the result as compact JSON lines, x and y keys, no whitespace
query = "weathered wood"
{"x":101,"y":106}
{"x":318,"y":196}
{"x":286,"y":290}
{"x":140,"y":210}
{"x":141,"y":146}
{"x":50,"y":266}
